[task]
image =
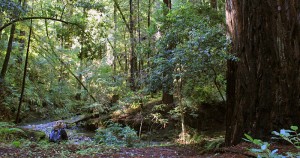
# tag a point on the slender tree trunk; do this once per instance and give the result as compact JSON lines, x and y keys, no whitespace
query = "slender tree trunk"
{"x":115,"y":39}
{"x":149,"y":37}
{"x":167,"y":97}
{"x":8,"y":52}
{"x":141,"y":62}
{"x":125,"y":55}
{"x":1,"y":23}
{"x":168,"y":3}
{"x":133,"y":58}
{"x":81,"y":57}
{"x":263,"y":86}
{"x":24,"y":75}
{"x":78,"y":94}
{"x":181,"y":106}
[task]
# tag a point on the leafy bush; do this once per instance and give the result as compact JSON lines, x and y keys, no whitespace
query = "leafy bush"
{"x":16,"y":144}
{"x":8,"y":132}
{"x":264,"y":150}
{"x":116,"y":135}
{"x":214,"y":143}
{"x":291,"y":136}
{"x":6,"y":124}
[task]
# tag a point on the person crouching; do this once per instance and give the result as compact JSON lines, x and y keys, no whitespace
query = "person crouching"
{"x":58,"y":132}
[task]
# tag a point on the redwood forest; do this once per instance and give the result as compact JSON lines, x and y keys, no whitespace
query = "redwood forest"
{"x":150,"y":78}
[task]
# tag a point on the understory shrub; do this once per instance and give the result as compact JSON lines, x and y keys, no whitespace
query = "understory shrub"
{"x":116,"y":135}
{"x":290,"y":135}
{"x":8,"y":132}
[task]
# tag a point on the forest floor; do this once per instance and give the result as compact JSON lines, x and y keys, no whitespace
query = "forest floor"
{"x":90,"y":151}
{"x":81,"y":147}
{"x":71,"y":150}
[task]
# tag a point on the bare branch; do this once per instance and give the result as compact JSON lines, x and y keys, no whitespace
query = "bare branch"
{"x":29,"y":18}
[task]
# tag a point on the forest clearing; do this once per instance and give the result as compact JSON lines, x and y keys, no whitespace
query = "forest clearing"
{"x":150,"y":78}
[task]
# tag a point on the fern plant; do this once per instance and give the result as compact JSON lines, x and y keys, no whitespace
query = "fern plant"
{"x":116,"y":135}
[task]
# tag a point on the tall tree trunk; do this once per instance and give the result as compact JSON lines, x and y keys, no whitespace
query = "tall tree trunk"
{"x":141,"y":61}
{"x":264,"y":84}
{"x":167,"y":97}
{"x":125,"y":54}
{"x":115,"y":40}
{"x":24,"y":75}
{"x":8,"y":52}
{"x":1,"y":23}
{"x":81,"y":57}
{"x":133,"y":58}
{"x":149,"y":37}
{"x":168,"y":3}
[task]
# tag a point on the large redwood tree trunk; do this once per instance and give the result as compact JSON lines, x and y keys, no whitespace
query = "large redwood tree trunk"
{"x":263,"y":86}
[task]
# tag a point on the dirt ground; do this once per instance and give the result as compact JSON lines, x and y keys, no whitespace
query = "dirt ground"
{"x":175,"y":151}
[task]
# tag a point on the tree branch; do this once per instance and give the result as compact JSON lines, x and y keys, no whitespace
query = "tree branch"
{"x":31,"y":18}
{"x":122,"y":15}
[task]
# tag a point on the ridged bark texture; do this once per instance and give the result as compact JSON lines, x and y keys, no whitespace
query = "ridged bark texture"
{"x":263,"y":91}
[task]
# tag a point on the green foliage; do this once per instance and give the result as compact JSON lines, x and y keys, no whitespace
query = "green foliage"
{"x":192,"y":136}
{"x":189,"y":43}
{"x":6,"y":124}
{"x":16,"y":144}
{"x":8,"y":132}
{"x":90,"y":5}
{"x":194,"y":49}
{"x":263,"y":150}
{"x":10,"y":7}
{"x":116,"y":135}
{"x":89,"y":151}
{"x":290,"y":136}
{"x":214,"y":143}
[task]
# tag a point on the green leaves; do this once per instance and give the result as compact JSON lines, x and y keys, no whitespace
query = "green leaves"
{"x":249,"y":138}
{"x":290,"y":136}
{"x":194,"y":48}
{"x":116,"y":135}
{"x":294,"y":128}
{"x":11,"y":7}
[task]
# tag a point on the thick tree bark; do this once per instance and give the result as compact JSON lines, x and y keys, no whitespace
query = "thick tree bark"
{"x":263,"y":88}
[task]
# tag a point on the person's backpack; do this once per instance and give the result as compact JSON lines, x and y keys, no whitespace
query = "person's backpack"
{"x":55,"y":135}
